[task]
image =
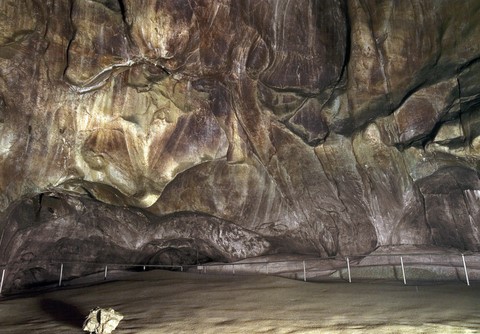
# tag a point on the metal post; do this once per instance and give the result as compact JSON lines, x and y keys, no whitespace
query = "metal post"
{"x":465,"y":267}
{"x":61,"y":275}
{"x":304,"y":272}
{"x":1,"y":282}
{"x":106,"y":272}
{"x":348,"y":269}
{"x":143,"y":268}
{"x":181,"y":269}
{"x":403,"y":271}
{"x":267,"y":268}
{"x":233,"y":269}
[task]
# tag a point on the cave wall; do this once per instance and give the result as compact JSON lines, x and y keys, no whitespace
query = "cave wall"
{"x":310,"y":126}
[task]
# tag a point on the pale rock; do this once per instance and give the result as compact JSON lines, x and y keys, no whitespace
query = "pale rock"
{"x":102,"y":321}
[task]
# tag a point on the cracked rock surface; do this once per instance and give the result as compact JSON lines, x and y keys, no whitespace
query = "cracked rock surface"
{"x":189,"y":131}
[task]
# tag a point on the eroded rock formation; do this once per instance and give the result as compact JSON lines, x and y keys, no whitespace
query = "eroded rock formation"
{"x":169,"y":131}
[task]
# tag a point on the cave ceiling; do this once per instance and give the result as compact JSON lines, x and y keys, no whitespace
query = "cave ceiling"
{"x":156,"y":130}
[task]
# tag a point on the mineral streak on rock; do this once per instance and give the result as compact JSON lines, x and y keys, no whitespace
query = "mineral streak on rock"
{"x":236,"y":128}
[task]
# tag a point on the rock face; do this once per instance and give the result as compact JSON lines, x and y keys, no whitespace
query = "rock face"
{"x":217,"y":130}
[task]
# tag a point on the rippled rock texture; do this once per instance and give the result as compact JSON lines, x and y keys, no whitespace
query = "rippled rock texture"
{"x":161,"y":130}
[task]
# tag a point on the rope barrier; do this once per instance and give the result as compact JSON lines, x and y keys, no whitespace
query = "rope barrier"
{"x":269,"y":266}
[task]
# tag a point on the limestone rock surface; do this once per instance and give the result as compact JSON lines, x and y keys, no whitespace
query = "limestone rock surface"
{"x":191,"y":131}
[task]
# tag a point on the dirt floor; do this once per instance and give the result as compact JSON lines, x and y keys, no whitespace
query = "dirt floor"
{"x":174,"y":302}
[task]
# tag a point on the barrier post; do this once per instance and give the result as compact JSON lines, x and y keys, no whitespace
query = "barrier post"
{"x":403,"y":271}
{"x":1,"y":282}
{"x":233,"y":269}
{"x":465,"y":268}
{"x":348,"y":269}
{"x":267,"y":268}
{"x":304,"y":272}
{"x":61,"y":275}
{"x":106,"y":272}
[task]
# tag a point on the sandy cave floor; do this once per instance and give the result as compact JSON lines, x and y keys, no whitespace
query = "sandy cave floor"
{"x":174,"y":302}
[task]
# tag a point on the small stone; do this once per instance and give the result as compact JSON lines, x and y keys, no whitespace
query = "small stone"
{"x":102,"y":321}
